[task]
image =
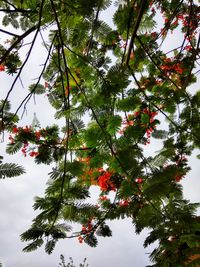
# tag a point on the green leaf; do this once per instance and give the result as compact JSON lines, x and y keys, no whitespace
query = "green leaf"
{"x":75,"y":168}
{"x":6,"y":20}
{"x":159,"y":134}
{"x":50,"y":245}
{"x":15,"y":23}
{"x":104,"y":230}
{"x":145,"y":118}
{"x":91,"y":240}
{"x":10,"y":170}
{"x":37,"y":89}
{"x":114,"y":124}
{"x":12,"y":148}
{"x":34,"y":245}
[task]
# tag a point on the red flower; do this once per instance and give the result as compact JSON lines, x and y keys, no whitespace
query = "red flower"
{"x":12,"y":140}
{"x":178,"y":177}
{"x":84,"y":229}
{"x":178,"y":68}
{"x":188,"y":48}
{"x":80,"y":239}
{"x":27,"y":129}
{"x":38,"y":135}
{"x":103,"y":198}
{"x":15,"y":130}
{"x":2,"y":67}
{"x":139,"y":180}
{"x":33,"y":154}
{"x":124,"y":203}
{"x":180,"y":17}
{"x":136,"y":113}
{"x":105,"y":183}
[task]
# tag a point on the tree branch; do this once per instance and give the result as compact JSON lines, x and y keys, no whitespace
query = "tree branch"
{"x":136,"y":26}
{"x":20,"y":38}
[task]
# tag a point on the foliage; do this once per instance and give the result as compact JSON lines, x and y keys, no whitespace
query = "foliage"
{"x":71,"y":263}
{"x":127,"y":97}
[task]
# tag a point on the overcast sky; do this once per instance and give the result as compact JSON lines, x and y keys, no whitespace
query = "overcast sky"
{"x":16,"y":200}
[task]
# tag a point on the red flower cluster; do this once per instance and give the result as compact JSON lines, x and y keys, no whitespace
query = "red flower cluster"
{"x":129,"y":121}
{"x":186,"y":21}
{"x":86,"y":229}
{"x":105,"y":183}
{"x":26,"y":129}
{"x":2,"y":67}
{"x":170,"y":66}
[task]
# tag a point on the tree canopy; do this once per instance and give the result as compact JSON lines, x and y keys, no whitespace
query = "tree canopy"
{"x":133,"y":84}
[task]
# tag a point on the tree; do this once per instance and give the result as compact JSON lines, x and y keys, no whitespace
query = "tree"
{"x":126,"y":97}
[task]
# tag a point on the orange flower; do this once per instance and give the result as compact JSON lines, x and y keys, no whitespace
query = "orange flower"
{"x":105,"y":183}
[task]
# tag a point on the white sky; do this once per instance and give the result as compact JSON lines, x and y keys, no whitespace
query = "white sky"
{"x":16,"y":200}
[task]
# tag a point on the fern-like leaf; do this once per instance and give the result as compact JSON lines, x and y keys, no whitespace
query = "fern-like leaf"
{"x":10,"y":170}
{"x":91,"y":240}
{"x":159,"y":134}
{"x":12,"y":148}
{"x":34,"y":245}
{"x":50,"y":245}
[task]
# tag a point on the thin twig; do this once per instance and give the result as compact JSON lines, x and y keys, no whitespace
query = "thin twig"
{"x":9,"y":33}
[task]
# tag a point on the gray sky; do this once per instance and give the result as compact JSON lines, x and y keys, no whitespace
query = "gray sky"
{"x":16,"y":200}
